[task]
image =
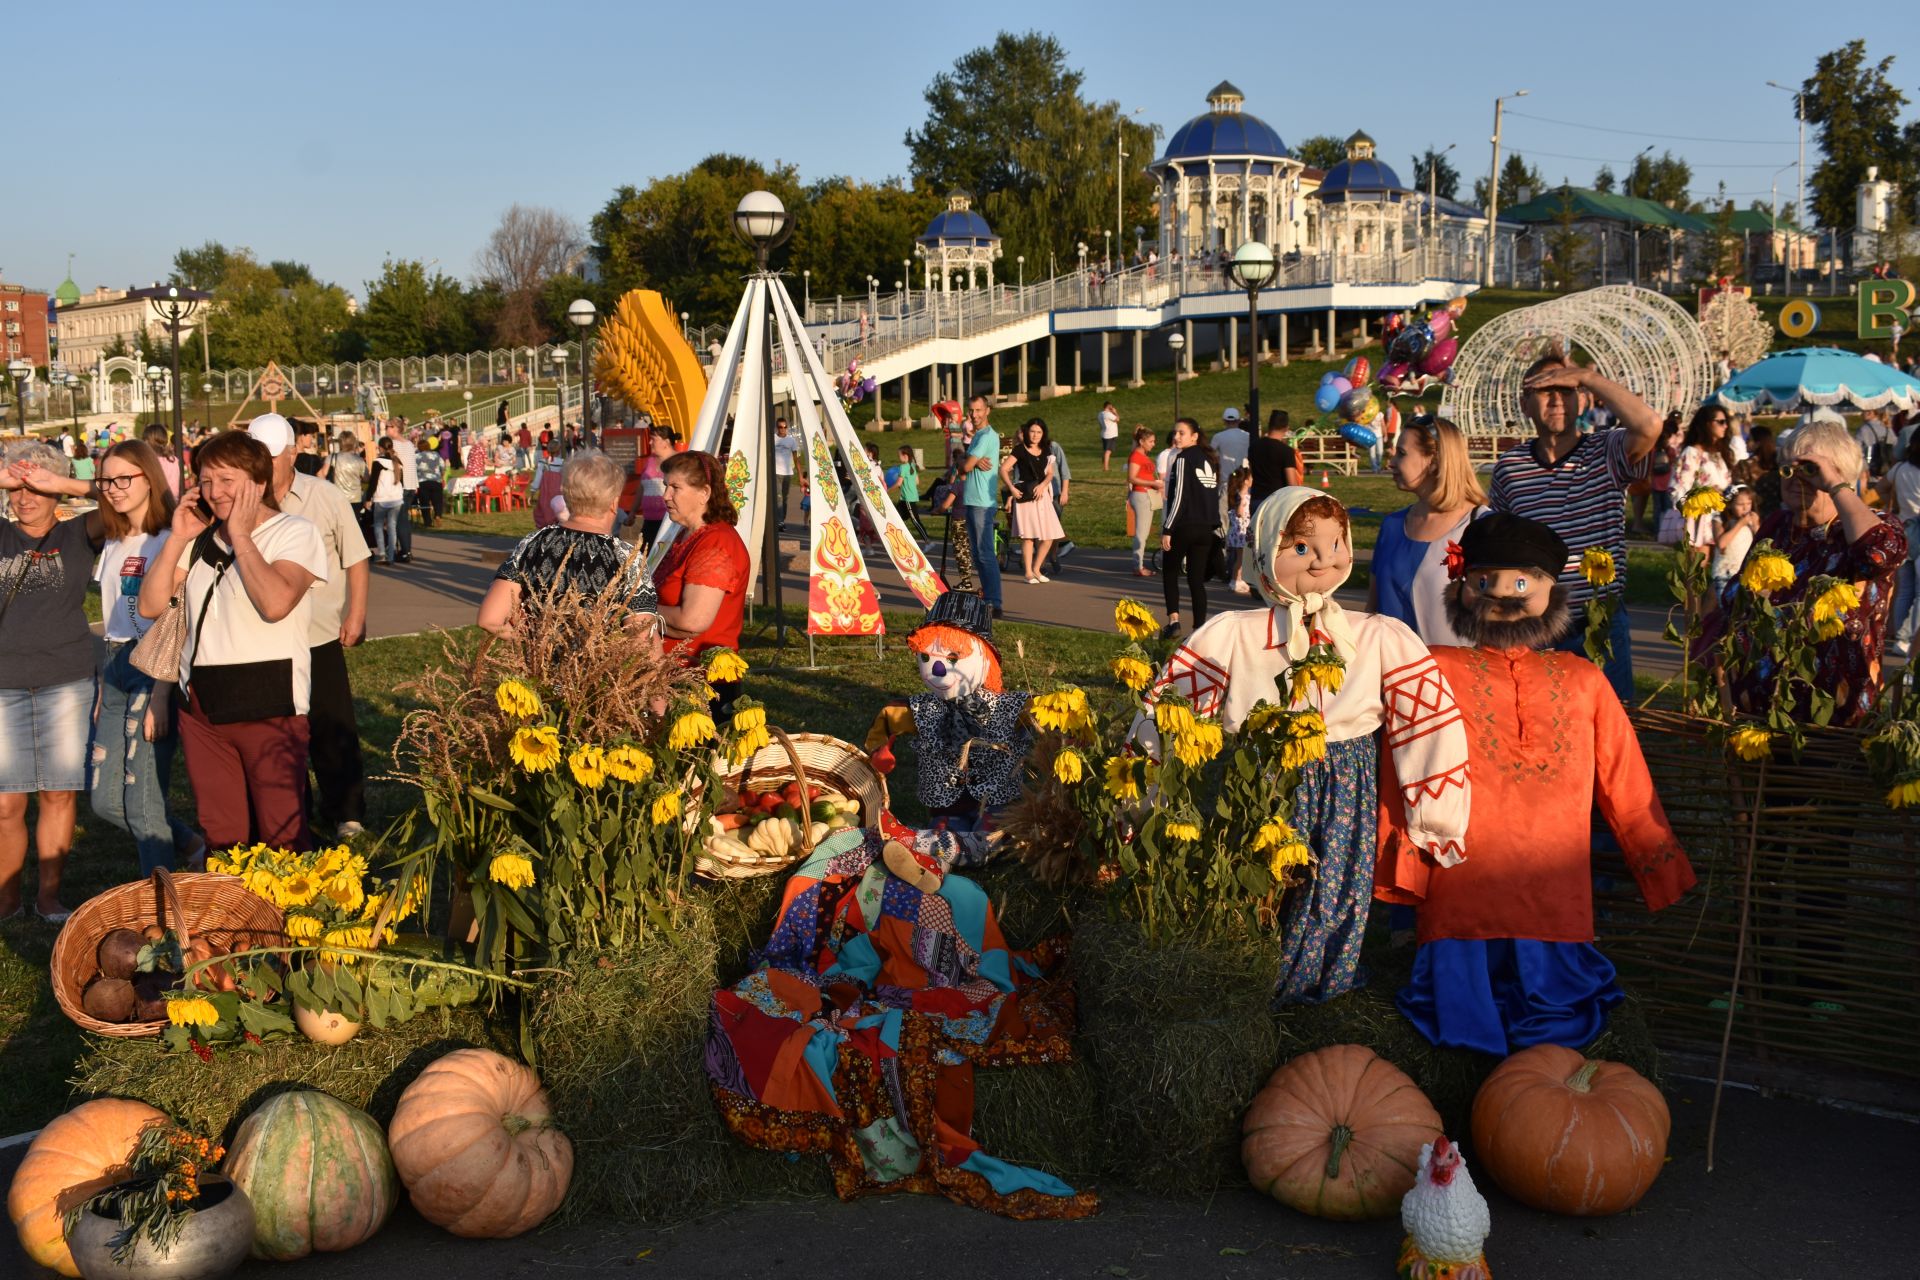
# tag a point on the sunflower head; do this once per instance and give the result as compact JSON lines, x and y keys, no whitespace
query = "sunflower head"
{"x":1134,"y":620}
{"x":1069,"y":767}
{"x":666,"y":807}
{"x":1766,"y":572}
{"x":1123,"y":777}
{"x":516,"y":699}
{"x":535,"y":748}
{"x":724,"y":665}
{"x":1702,"y":500}
{"x":1596,"y":566}
{"x":588,"y":764}
{"x":690,"y":730}
{"x":513,"y":870}
{"x":1131,"y":671}
{"x":628,"y":763}
{"x":1751,"y":742}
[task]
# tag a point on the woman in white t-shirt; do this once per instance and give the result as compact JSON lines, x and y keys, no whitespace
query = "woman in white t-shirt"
{"x":244,"y":572}
{"x":131,"y":764}
{"x":1109,"y":434}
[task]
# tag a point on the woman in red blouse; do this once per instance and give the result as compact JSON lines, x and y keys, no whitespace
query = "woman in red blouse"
{"x":702,"y":580}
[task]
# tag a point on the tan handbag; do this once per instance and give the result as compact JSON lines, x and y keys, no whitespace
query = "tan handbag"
{"x":157,"y":653}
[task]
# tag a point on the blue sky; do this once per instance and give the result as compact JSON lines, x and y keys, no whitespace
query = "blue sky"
{"x":337,"y":133}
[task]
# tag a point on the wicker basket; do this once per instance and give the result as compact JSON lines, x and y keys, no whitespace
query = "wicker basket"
{"x":217,"y":909}
{"x":804,"y":758}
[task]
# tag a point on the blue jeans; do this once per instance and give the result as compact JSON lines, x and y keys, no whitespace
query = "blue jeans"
{"x":1620,"y":669}
{"x":1904,"y":622}
{"x":980,"y":533}
{"x":129,"y":777}
{"x":386,"y":529}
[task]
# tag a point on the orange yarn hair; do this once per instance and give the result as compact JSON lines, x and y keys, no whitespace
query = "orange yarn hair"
{"x":953,"y":640}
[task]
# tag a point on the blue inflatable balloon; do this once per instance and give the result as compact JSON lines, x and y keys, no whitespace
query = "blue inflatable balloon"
{"x":1355,"y":434}
{"x":1328,"y":377}
{"x":1327,"y":398}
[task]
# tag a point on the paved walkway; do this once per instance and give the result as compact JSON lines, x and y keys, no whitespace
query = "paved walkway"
{"x":449,"y":575}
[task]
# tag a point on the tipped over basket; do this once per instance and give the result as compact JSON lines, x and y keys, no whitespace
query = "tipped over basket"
{"x":805,"y":758}
{"x":218,"y":909}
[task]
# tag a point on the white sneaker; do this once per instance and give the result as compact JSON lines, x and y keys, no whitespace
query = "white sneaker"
{"x":348,"y":830}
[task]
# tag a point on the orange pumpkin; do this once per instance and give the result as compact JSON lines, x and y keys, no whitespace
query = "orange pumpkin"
{"x":86,"y":1150}
{"x":1337,"y":1133}
{"x":1570,"y":1134}
{"x":475,"y":1145}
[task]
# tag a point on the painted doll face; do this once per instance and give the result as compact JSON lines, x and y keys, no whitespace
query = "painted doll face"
{"x":1509,"y":593}
{"x":1318,"y":560}
{"x":953,"y":675}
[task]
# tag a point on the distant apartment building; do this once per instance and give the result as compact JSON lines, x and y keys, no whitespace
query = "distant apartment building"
{"x":23,"y":324}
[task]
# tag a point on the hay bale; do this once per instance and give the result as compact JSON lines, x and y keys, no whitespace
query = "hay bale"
{"x":1047,"y":1117}
{"x":743,"y":913}
{"x":1026,"y":910}
{"x":1179,"y":1039}
{"x":368,"y":1071}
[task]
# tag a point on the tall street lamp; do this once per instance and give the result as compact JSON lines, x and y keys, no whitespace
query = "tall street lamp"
{"x":763,"y":222}
{"x":468,"y":397}
{"x":1176,"y":343}
{"x":559,"y":357}
{"x":1493,"y":186}
{"x":581,"y":314}
{"x":1119,"y":175}
{"x":174,"y":306}
{"x":1252,"y":269}
{"x":806,"y":291}
{"x":73,"y":402}
{"x":1800,"y":165}
{"x":155,"y":376}
{"x":322,"y":381}
{"x":20,"y":371}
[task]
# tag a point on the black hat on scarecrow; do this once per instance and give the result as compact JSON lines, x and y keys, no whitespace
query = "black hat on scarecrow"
{"x":958,"y":612}
{"x":1503,"y":540}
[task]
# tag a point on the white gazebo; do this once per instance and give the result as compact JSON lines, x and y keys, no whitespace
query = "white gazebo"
{"x":1363,"y":208}
{"x":957,"y":239}
{"x":1227,"y":178}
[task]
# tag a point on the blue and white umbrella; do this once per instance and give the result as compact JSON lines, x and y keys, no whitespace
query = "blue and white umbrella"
{"x":1793,"y":380}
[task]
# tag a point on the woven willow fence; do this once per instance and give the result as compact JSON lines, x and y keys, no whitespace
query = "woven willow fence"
{"x":1829,"y":973}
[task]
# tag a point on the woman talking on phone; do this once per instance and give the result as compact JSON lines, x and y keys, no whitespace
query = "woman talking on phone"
{"x":242,"y":571}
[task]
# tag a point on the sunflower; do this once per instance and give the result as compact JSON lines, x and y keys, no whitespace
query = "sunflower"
{"x":1293,"y":853}
{"x":1062,"y":711}
{"x":1123,"y":778}
{"x":1134,"y":620}
{"x":1264,"y":718}
{"x":666,"y":807}
{"x":1183,"y":830}
{"x":690,"y":730}
{"x":750,"y":724}
{"x":1703,"y":500}
{"x":1751,"y":742}
{"x":514,"y":870}
{"x":191,"y":1011}
{"x":1327,"y":677}
{"x":629,"y":764}
{"x":1069,"y":767}
{"x":1596,"y":566}
{"x":535,"y":749}
{"x":1767,"y":572}
{"x":1306,"y":739}
{"x":1904,"y":795}
{"x":1273,"y":833}
{"x":725,"y":665}
{"x":1173,"y":718}
{"x":588,"y":764}
{"x":346,"y":891}
{"x":1131,"y":672}
{"x":262,"y":883}
{"x":300,"y":888}
{"x":1198,"y":744}
{"x":302,"y":928}
{"x":1830,"y":608}
{"x":517,"y":700}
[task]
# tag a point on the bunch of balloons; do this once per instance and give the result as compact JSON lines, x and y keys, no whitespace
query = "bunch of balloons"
{"x":1420,"y":354}
{"x":1363,"y":415}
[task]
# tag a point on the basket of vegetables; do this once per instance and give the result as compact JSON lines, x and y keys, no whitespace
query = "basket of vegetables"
{"x":788,"y":797}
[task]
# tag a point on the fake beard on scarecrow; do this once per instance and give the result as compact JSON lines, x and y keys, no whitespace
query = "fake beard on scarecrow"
{"x":971,"y":733}
{"x":1506,"y":956}
{"x":1389,"y":686}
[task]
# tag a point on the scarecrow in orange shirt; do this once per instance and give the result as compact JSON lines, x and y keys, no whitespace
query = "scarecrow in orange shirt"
{"x":1506,"y":956}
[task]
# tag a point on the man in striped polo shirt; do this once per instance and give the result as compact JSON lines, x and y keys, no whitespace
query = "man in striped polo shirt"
{"x":1573,"y":483}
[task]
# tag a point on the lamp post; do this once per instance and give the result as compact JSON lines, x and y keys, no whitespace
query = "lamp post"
{"x":322,"y":381}
{"x":559,"y":358}
{"x":73,"y":401}
{"x":174,"y":306}
{"x":1176,"y":343}
{"x":20,"y":371}
{"x":1119,"y":176}
{"x":1107,"y":238}
{"x":1252,"y":268}
{"x":1433,"y":189}
{"x":686,"y":329}
{"x":468,"y":397}
{"x":806,"y":292}
{"x":1800,"y":165}
{"x":155,"y":376}
{"x":206,"y":402}
{"x":763,"y":222}
{"x":1493,"y":186}
{"x":1022,"y":262}
{"x":581,"y":312}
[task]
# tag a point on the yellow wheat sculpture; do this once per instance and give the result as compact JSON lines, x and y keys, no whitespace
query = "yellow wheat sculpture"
{"x":644,"y":360}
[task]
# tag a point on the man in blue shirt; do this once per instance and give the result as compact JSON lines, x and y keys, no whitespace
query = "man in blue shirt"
{"x":980,"y":495}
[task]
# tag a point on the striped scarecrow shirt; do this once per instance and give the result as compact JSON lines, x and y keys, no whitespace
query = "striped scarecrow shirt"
{"x":1579,"y":498}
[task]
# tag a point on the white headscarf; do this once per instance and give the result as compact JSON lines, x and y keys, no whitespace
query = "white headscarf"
{"x":1301,"y":615}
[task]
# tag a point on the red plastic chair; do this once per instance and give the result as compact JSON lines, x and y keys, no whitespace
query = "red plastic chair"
{"x":517,"y":493}
{"x":492,"y":495}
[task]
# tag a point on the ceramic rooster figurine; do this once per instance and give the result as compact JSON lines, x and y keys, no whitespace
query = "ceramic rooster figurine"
{"x":1446,"y":1220}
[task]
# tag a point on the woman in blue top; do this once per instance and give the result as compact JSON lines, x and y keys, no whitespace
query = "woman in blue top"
{"x":1410,"y":558}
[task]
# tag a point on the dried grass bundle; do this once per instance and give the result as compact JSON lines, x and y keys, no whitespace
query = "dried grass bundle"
{"x":1047,"y":832}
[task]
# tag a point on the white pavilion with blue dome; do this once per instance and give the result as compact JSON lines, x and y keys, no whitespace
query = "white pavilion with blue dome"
{"x":957,"y":241}
{"x":1226,"y":178}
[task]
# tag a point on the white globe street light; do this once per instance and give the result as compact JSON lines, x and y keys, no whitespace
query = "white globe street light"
{"x":1253,"y":268}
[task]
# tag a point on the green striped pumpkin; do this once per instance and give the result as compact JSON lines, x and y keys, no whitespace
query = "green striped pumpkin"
{"x":318,"y":1173}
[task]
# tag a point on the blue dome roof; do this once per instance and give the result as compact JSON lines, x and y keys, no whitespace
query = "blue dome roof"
{"x":958,"y":226}
{"x":1360,"y":176}
{"x":1224,"y":133}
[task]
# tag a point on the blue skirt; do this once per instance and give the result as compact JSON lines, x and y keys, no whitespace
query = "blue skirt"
{"x":1336,"y":811}
{"x":1500,"y":995}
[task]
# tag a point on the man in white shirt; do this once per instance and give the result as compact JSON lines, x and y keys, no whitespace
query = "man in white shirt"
{"x":409,"y":484}
{"x":1230,"y":444}
{"x":785,"y":445}
{"x":1109,"y":434}
{"x":338,"y":621}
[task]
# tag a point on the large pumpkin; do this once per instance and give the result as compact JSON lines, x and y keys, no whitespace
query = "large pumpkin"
{"x":1570,"y":1134}
{"x":475,"y":1144}
{"x":86,"y":1150}
{"x":317,"y":1172}
{"x":1337,"y":1133}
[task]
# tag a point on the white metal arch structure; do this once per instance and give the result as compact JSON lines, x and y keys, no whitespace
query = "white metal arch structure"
{"x":1641,"y":339}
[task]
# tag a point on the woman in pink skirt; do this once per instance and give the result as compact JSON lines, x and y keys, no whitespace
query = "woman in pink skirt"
{"x":1028,"y":476}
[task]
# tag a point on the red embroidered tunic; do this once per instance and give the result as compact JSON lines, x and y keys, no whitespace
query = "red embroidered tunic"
{"x":1546,"y":737}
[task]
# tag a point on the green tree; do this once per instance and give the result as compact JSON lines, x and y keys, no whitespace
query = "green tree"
{"x":1516,"y":175}
{"x":1724,"y":249}
{"x":1666,"y":180}
{"x":1567,"y":250}
{"x":848,"y":230}
{"x":250,"y":324}
{"x":1855,"y":110}
{"x":292,"y":273}
{"x":1604,"y":181}
{"x":410,"y":313}
{"x":1434,"y":166}
{"x":979,"y":113}
{"x":202,"y":268}
{"x":1321,"y":151}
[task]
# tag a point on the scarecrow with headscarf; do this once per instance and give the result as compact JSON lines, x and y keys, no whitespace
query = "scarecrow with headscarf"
{"x":1506,"y":956}
{"x":1372,"y":682}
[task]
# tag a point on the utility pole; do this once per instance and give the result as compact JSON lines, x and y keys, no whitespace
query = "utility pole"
{"x":1119,"y":177}
{"x":1800,"y":165}
{"x":1493,"y":186}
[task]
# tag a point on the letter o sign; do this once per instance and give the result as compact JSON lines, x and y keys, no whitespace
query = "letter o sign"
{"x":1799,"y":318}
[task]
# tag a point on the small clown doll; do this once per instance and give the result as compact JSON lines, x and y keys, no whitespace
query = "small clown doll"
{"x":1373,"y":683}
{"x":972,"y":734}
